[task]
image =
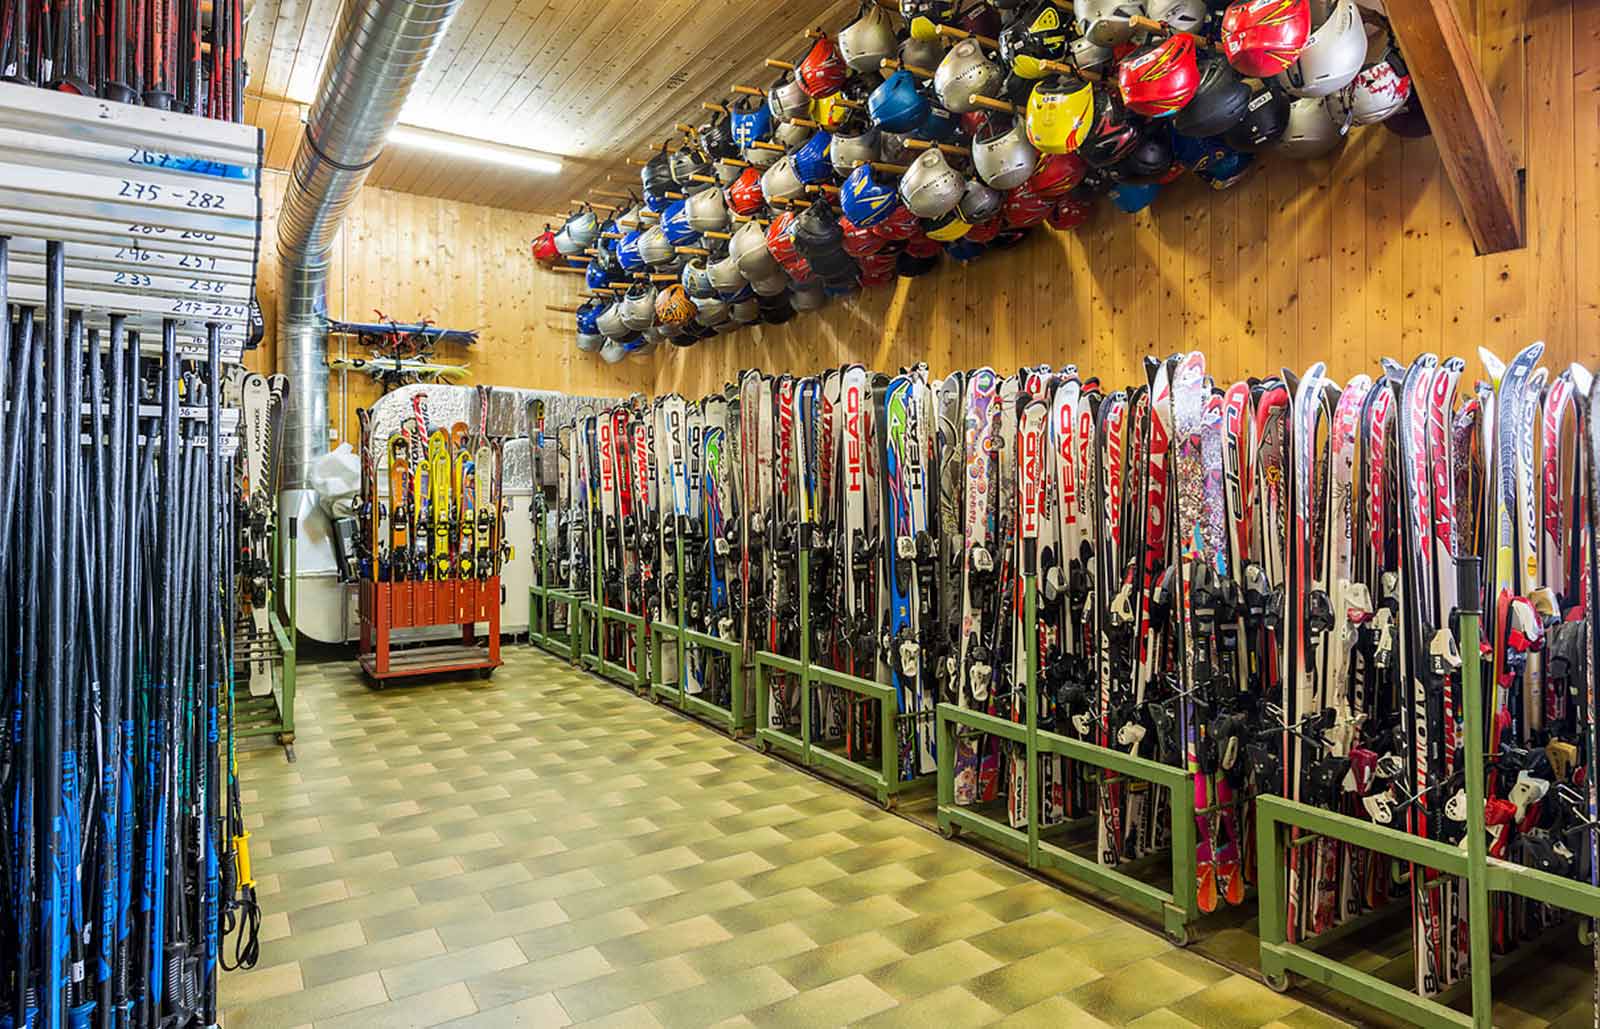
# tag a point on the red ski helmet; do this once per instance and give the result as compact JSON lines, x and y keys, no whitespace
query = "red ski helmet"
{"x":544,"y":248}
{"x":1055,"y":174}
{"x":902,"y":224}
{"x":983,"y":232}
{"x":921,"y":245}
{"x":1070,"y":212}
{"x":1160,"y":77}
{"x":1261,"y":38}
{"x":745,"y":195}
{"x":780,"y":244}
{"x":1024,"y":207}
{"x":822,"y":71}
{"x":1113,"y":134}
{"x":859,"y":242}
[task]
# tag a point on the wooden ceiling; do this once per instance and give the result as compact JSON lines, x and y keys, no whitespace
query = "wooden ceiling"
{"x":592,"y":81}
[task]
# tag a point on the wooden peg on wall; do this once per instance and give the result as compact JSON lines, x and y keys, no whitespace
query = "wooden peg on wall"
{"x":996,"y":105}
{"x":773,"y":62}
{"x":951,"y":32}
{"x":713,"y":234}
{"x":747,"y":91}
{"x":612,"y":194}
{"x":697,"y":177}
{"x":762,"y":144}
{"x":949,"y":148}
{"x":733,"y":162}
{"x":921,"y":73}
{"x":561,"y":308}
{"x":567,"y":269}
{"x":709,"y":106}
{"x":699,"y":251}
{"x":890,"y":169}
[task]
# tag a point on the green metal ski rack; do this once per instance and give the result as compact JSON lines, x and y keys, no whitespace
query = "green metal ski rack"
{"x":1177,"y":908}
{"x":731,"y":719}
{"x":882,"y":782}
{"x":1481,"y":874}
{"x":595,"y":615}
{"x":543,"y":598}
{"x":272,"y":715}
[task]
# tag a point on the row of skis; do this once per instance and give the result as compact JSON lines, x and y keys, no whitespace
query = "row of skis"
{"x":445,"y":515}
{"x":1255,"y":582}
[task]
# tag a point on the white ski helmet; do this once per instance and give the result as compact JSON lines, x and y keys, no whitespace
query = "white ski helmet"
{"x":726,"y":278}
{"x":1381,"y":88}
{"x":749,"y":246}
{"x":791,"y":134}
{"x":930,"y":187}
{"x":808,"y":297}
{"x":1317,"y":126}
{"x":654,"y":249}
{"x":849,"y":151}
{"x":979,"y":202}
{"x":590,"y":342}
{"x":746,"y":311}
{"x":963,"y":74}
{"x":610,"y":322}
{"x":639,"y":307}
{"x":1182,"y":15}
{"x":865,"y":42}
{"x":1003,"y":157}
{"x":584,"y":228}
{"x":787,"y":99}
{"x":566,"y":246}
{"x":1333,"y":54}
{"x":713,"y":311}
{"x":922,"y":53}
{"x":612,"y":351}
{"x":780,"y":182}
{"x":707,"y":210}
{"x":1106,"y":23}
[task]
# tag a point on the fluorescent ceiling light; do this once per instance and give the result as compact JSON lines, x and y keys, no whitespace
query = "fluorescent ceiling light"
{"x":473,"y":150}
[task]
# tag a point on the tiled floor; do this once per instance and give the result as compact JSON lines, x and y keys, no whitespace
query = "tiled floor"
{"x":543,"y":849}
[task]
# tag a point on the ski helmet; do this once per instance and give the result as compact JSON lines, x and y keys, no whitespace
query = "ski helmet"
{"x":1002,"y":155}
{"x":656,"y":175}
{"x":921,"y":53}
{"x":566,"y":246}
{"x":1159,"y":78}
{"x":817,"y":232}
{"x":583,"y":227}
{"x":1023,"y":207}
{"x":716,"y":137}
{"x":628,"y":252}
{"x":865,"y":42}
{"x":1381,"y":88}
{"x":979,"y":202}
{"x":791,"y":134}
{"x":930,"y":187}
{"x":675,"y":223}
{"x":780,"y":181}
{"x":1057,"y":174}
{"x":750,"y":120}
{"x":1041,"y":34}
{"x":807,"y":297}
{"x":545,"y":250}
{"x":1265,"y":118}
{"x":1219,"y":102}
{"x":673,"y":306}
{"x":761,"y":157}
{"x":1107,"y":23}
{"x":596,"y":277}
{"x":787,"y":99}
{"x":812,"y":162}
{"x":1332,"y":55}
{"x":859,"y":242}
{"x":1060,"y":112}
{"x":610,"y":322}
{"x":776,"y":310}
{"x":1113,"y":134}
{"x":1315,"y":128}
{"x":865,"y":200}
{"x":1213,"y":161}
{"x":612,"y":351}
{"x":984,"y":232}
{"x":639,"y":306}
{"x":1132,"y":198}
{"x":1069,"y":213}
{"x":1149,"y":160}
{"x":892,"y":148}
{"x":1261,"y":38}
{"x":746,"y":311}
{"x":749,"y":246}
{"x":900,"y":225}
{"x":745,"y":195}
{"x":711,"y":311}
{"x":822,"y":70}
{"x":696,"y":280}
{"x":780,"y":244}
{"x":1180,"y":15}
{"x":963,"y":74}
{"x":829,"y":114}
{"x":852,"y":149}
{"x":706,"y":211}
{"x":947,"y":228}
{"x":686,"y":164}
{"x":654,"y":248}
{"x":589,"y":335}
{"x":897,"y":106}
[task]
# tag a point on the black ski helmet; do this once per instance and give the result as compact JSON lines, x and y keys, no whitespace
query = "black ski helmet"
{"x":1220,"y":101}
{"x":1265,"y":119}
{"x":1114,"y":132}
{"x":1149,"y":160}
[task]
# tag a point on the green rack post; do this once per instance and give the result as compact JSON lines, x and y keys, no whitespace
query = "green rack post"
{"x":731,"y":719}
{"x":1482,"y":875}
{"x":543,"y":597}
{"x":1177,"y":908}
{"x":274,"y":715}
{"x":766,"y":662}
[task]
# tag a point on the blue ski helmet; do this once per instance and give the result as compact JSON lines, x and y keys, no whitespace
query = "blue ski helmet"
{"x":656,"y":201}
{"x":628,"y":252}
{"x":1131,"y":198}
{"x":596,"y":277}
{"x":589,"y":318}
{"x":939,"y":126}
{"x":964,"y":250}
{"x":865,"y":200}
{"x":1219,"y":164}
{"x":897,"y":106}
{"x":750,"y":125}
{"x":813,"y":161}
{"x":675,"y":223}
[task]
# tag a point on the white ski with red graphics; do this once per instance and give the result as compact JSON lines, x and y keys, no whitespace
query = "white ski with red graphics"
{"x":976,"y":665}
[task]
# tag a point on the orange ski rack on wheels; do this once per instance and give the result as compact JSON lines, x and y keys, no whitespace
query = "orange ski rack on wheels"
{"x":388,"y":606}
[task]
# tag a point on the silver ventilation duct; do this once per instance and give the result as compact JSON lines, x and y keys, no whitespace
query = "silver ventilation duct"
{"x":378,"y":49}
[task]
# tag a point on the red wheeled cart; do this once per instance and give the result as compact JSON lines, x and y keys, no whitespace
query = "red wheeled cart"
{"x":387,"y":606}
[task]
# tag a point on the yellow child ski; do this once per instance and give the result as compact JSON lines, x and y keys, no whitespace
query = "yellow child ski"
{"x":400,"y":510}
{"x":467,"y":515}
{"x":439,"y":460}
{"x":488,"y":515}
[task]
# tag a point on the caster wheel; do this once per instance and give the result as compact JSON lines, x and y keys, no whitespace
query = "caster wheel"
{"x":1180,"y":936}
{"x":890,"y":803}
{"x":1278,"y":983}
{"x":484,"y":673}
{"x":950,"y":832}
{"x":766,"y":747}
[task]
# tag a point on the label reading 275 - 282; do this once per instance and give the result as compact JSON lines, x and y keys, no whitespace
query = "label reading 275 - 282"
{"x":151,"y":192}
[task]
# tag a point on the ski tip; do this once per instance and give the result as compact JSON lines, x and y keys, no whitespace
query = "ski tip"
{"x":1582,"y":378}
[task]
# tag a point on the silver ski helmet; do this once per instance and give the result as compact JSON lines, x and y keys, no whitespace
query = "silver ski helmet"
{"x":1315,"y":129}
{"x":930,"y":187}
{"x":865,"y":42}
{"x":1333,"y":54}
{"x":963,"y":74}
{"x":1002,"y":155}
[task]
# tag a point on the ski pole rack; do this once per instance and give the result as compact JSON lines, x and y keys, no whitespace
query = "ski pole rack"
{"x":1282,"y":824}
{"x":159,"y":212}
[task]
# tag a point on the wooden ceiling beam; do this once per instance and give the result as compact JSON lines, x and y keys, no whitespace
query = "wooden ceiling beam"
{"x":1466,"y":127}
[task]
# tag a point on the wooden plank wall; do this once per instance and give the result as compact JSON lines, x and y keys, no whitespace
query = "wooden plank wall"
{"x":1346,"y":260}
{"x":460,"y":265}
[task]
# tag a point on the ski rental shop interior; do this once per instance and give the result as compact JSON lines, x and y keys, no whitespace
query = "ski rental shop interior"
{"x":799,"y":512}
